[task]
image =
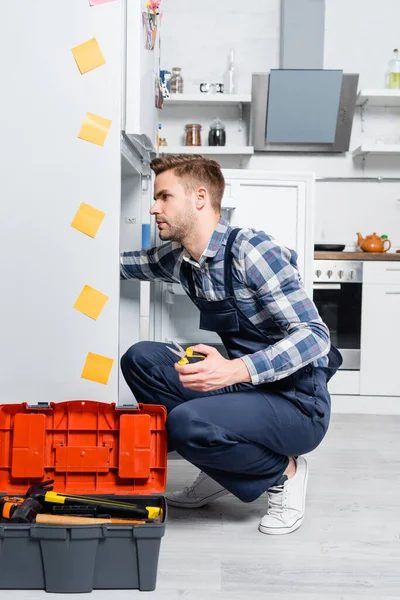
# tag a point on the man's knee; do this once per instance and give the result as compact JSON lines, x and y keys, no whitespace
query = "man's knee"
{"x":179,"y":424}
{"x":138,"y":354}
{"x":187,"y":428}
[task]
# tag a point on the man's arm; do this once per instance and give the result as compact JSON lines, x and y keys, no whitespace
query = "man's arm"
{"x":161,"y":263}
{"x":270,"y":271}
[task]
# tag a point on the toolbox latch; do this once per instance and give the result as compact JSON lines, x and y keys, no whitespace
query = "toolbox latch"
{"x":39,"y":405}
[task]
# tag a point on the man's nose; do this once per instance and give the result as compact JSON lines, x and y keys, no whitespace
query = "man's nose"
{"x":155,"y":208}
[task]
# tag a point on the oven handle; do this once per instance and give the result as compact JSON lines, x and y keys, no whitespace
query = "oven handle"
{"x":327,"y":286}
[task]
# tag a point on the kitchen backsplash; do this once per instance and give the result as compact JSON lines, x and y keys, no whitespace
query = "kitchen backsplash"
{"x":342,"y":209}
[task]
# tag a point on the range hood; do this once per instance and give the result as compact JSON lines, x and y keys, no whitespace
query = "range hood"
{"x":302,"y":107}
{"x":302,"y":110}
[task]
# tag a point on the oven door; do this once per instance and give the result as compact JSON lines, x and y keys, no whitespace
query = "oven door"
{"x":339,"y":305}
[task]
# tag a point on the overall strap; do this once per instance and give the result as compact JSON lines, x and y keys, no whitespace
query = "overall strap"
{"x":227,"y":267}
{"x":188,"y":270}
{"x":228,"y":262}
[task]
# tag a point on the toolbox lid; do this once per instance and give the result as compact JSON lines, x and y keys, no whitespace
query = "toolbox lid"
{"x":87,"y":447}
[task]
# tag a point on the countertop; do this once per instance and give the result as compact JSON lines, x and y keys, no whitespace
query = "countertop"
{"x":357,"y":256}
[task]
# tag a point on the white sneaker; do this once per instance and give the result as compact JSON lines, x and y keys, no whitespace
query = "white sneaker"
{"x":286,"y":502}
{"x":202,"y":491}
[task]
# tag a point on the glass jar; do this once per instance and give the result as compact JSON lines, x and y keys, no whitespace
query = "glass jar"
{"x":176,"y":81}
{"x":217,"y":135}
{"x":193,"y":135}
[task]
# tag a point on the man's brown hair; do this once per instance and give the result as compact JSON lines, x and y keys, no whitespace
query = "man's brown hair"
{"x":195,"y":170}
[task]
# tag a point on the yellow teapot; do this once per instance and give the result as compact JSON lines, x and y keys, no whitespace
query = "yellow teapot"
{"x":373,"y":243}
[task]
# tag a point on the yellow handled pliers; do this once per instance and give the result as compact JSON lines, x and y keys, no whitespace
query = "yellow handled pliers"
{"x":185,"y":355}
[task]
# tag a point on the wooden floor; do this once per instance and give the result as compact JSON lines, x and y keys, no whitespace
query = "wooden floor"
{"x":348,"y":547}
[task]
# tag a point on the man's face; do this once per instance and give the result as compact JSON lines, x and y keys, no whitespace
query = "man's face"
{"x":173,"y":208}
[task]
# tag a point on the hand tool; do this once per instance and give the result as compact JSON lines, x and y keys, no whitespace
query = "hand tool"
{"x":19,"y":510}
{"x":8,"y":504}
{"x":81,"y":510}
{"x":113,"y":507}
{"x":24,"y":510}
{"x":43,"y":519}
{"x":186,"y":355}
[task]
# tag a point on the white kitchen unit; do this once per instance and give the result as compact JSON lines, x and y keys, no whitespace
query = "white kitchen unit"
{"x":380,"y":334}
{"x":281,"y":204}
{"x":139,"y":119}
{"x":45,"y":263}
{"x":47,"y":172}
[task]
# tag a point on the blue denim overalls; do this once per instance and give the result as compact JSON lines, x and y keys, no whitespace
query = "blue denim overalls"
{"x":240,"y":435}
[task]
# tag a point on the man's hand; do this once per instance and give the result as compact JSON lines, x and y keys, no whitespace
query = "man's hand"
{"x":212,"y":373}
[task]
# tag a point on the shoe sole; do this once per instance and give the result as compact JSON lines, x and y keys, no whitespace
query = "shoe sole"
{"x":202,"y":502}
{"x":296,"y":525}
{"x":281,"y":530}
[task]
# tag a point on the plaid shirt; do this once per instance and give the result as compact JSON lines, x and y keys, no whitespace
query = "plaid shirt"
{"x":267,"y":287}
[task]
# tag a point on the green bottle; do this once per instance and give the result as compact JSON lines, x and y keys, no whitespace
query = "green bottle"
{"x":394,"y":71}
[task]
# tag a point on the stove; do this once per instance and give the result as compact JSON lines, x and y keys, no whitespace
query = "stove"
{"x":337,"y":292}
{"x":341,"y":271}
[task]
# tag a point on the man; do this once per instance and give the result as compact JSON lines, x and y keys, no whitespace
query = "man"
{"x":244,"y":421}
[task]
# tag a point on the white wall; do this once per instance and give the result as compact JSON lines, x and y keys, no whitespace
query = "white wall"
{"x":360,"y":37}
{"x":46,"y":172}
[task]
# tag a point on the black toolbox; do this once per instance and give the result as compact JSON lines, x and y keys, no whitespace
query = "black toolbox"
{"x":89,"y":449}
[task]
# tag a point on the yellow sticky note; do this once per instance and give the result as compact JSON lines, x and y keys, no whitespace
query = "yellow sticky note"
{"x":88,"y":219}
{"x":97,"y":368}
{"x":90,"y":302}
{"x":88,"y":56}
{"x":94,"y":129}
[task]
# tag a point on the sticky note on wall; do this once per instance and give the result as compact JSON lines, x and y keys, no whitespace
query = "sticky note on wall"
{"x":88,"y":56}
{"x":90,"y":302}
{"x":94,"y":129}
{"x":97,"y":368}
{"x":88,"y":219}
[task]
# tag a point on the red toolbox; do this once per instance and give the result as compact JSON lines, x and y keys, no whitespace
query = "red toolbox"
{"x":89,"y":449}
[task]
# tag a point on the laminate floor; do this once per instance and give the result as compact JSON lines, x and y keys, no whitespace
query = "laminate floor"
{"x":347,"y":549}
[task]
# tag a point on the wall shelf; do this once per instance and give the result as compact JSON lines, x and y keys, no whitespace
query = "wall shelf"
{"x":377,"y":97}
{"x":208,"y":99}
{"x":378,"y":149}
{"x":215,"y":150}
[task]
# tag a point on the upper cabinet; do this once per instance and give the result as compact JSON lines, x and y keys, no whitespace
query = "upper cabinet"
{"x":140,"y":71}
{"x":281,"y":204}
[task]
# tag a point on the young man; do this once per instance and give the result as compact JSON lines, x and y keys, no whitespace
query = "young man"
{"x":244,"y":421}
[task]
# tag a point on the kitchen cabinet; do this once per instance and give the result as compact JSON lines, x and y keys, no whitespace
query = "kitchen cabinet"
{"x":281,"y":204}
{"x":380,"y":330}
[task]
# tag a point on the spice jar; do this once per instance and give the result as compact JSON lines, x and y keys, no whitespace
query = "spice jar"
{"x":193,"y":135}
{"x":217,"y":135}
{"x":176,"y":81}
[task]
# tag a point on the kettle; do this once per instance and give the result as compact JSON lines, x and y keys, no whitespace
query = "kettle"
{"x":373,"y":243}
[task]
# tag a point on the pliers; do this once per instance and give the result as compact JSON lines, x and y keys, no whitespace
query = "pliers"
{"x":185,"y":355}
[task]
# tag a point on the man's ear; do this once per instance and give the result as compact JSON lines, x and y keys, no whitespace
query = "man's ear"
{"x":201,"y":197}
